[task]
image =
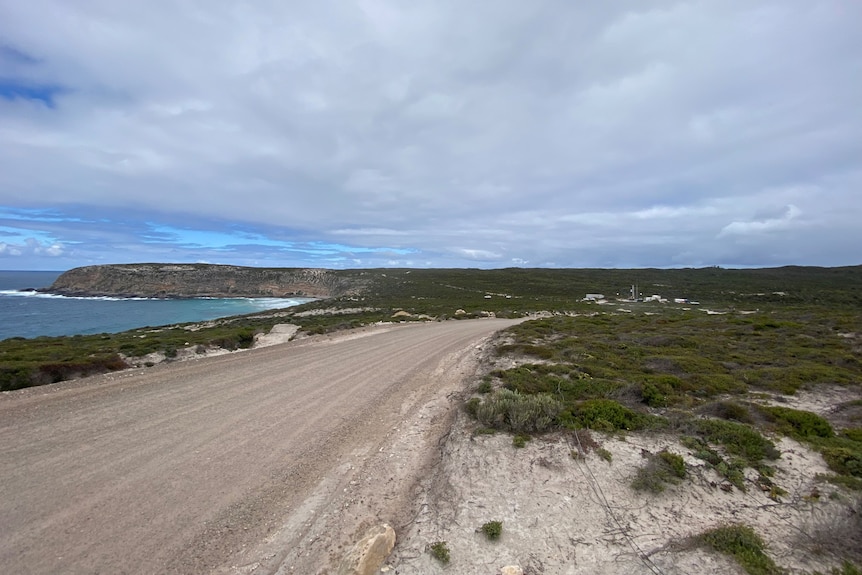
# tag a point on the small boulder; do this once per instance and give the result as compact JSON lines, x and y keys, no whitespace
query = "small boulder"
{"x":369,"y":554}
{"x":511,"y":570}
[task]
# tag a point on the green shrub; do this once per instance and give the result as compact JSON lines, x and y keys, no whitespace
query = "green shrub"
{"x":609,"y":415}
{"x":732,"y":471}
{"x":797,"y":423}
{"x":729,"y":410}
{"x":61,"y":371}
{"x":472,"y":406}
{"x":652,"y":396}
{"x":604,"y":454}
{"x":737,"y":439}
{"x":843,"y":460}
{"x":520,"y":440}
{"x":492,"y":530}
{"x":744,"y":545}
{"x":440,"y":552}
{"x":848,"y":481}
{"x":15,"y":378}
{"x":846,"y":568}
{"x":660,"y":469}
{"x":674,"y":462}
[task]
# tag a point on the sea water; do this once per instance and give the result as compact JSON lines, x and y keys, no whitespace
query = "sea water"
{"x":30,"y":314}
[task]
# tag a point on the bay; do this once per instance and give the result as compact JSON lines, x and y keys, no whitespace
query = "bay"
{"x":29,"y":314}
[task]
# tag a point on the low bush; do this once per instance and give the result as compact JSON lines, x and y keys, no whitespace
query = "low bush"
{"x":61,"y":371}
{"x":472,"y":406}
{"x":729,"y":410}
{"x":674,"y":463}
{"x":513,"y":411}
{"x":660,"y":469}
{"x":653,"y":396}
{"x":843,"y":460}
{"x":440,"y":552}
{"x":847,"y":568}
{"x":609,"y":415}
{"x":520,"y":440}
{"x":737,"y":438}
{"x":492,"y":530}
{"x":743,"y":544}
{"x":604,"y":454}
{"x":796,"y":423}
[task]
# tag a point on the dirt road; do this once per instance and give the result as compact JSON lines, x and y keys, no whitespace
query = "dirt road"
{"x":269,"y":460}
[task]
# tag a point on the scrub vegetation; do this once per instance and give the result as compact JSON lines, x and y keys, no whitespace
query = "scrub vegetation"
{"x":789,"y":299}
{"x":720,"y":383}
{"x":685,"y":372}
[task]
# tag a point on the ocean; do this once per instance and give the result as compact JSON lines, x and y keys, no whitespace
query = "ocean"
{"x":28,"y":314}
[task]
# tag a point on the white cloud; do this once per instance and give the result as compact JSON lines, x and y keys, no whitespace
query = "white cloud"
{"x":762,"y":226}
{"x":31,"y":247}
{"x":9,"y":250}
{"x":473,"y":254}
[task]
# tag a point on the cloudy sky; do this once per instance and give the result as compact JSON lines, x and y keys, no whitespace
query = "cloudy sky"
{"x":431,"y":133}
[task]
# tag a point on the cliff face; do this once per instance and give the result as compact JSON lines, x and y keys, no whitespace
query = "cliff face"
{"x":202,"y":280}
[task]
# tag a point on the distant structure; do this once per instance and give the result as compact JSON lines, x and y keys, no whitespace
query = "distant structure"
{"x":655,"y":297}
{"x":594,"y":297}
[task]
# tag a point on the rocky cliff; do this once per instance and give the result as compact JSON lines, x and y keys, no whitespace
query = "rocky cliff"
{"x":203,"y":280}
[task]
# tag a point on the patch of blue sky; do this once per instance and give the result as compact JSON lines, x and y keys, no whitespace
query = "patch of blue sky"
{"x":35,"y":215}
{"x":159,"y":233}
{"x":239,"y":239}
{"x":17,"y":235}
{"x":11,"y":89}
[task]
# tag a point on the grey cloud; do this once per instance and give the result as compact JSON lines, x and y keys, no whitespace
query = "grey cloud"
{"x":668,"y":133}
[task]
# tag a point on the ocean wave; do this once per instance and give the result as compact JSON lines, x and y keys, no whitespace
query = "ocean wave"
{"x":42,"y":295}
{"x":261,"y":303}
{"x":276,"y":302}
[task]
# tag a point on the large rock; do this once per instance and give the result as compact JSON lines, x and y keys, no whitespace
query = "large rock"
{"x":368,"y":555}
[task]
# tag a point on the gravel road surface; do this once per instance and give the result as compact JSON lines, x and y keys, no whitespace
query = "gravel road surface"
{"x":264,"y":461}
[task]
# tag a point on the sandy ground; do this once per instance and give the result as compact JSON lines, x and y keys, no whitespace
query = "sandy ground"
{"x":276,"y":460}
{"x":269,"y":460}
{"x":565,"y":515}
{"x":562,"y":515}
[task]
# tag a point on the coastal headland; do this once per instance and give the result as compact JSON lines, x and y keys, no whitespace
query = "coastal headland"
{"x":154,"y":280}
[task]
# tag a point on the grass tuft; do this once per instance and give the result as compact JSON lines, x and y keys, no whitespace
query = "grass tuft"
{"x":492,"y":530}
{"x":660,"y":470}
{"x":440,"y":552}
